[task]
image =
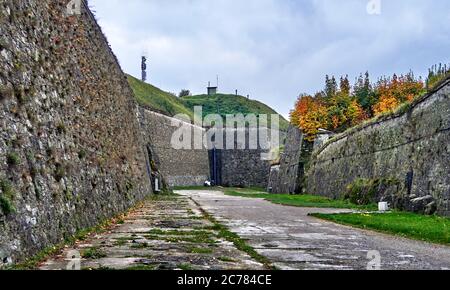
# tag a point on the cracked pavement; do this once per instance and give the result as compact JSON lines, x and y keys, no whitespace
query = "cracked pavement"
{"x":291,"y":239}
{"x":172,"y":233}
{"x":169,"y":233}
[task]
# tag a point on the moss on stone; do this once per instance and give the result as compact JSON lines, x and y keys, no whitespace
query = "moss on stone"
{"x":60,"y":172}
{"x":195,"y":250}
{"x":93,"y":253}
{"x":13,"y":159}
{"x":61,"y":128}
{"x":7,"y":195}
{"x":363,"y":191}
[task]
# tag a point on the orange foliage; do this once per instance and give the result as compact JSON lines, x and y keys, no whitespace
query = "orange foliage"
{"x":356,"y":113}
{"x":395,"y":91}
{"x":310,"y":115}
{"x":340,"y":108}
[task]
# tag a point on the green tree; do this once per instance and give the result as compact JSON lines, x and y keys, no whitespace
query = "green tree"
{"x":184,"y":93}
{"x":364,"y":94}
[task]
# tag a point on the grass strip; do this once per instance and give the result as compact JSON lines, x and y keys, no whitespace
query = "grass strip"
{"x":432,"y":229}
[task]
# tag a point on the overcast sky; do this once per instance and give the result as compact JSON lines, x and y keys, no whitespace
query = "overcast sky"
{"x":273,"y":49}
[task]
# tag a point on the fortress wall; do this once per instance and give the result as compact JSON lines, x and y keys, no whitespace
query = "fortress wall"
{"x":71,"y":153}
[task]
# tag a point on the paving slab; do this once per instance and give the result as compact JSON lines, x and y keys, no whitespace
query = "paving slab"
{"x":291,"y":239}
{"x":163,"y":234}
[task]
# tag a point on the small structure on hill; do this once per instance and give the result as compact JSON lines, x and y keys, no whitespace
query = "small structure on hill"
{"x":212,"y":90}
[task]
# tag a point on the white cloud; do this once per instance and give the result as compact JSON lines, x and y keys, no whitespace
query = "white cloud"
{"x":272,"y":49}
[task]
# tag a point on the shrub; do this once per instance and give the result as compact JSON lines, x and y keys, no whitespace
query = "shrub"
{"x":184,"y":93}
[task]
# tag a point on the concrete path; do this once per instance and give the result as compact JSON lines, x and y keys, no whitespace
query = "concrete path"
{"x":293,"y":240}
{"x":167,"y":233}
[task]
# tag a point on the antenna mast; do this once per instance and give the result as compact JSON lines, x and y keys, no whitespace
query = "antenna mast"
{"x":144,"y":68}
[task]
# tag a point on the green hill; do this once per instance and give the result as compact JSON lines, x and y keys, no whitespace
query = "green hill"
{"x":231,"y":104}
{"x":158,"y":100}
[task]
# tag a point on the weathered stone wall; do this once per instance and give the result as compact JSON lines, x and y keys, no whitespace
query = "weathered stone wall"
{"x":70,"y":148}
{"x":241,"y":165}
{"x":185,"y":167}
{"x":411,"y":148}
{"x":287,"y":177}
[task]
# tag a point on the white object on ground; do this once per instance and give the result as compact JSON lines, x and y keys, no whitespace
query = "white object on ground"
{"x":383,"y":206}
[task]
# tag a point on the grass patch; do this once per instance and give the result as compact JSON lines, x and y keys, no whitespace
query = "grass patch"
{"x":140,"y":268}
{"x":176,"y":236}
{"x":139,"y":246}
{"x":300,"y":200}
{"x":226,"y":259}
{"x":81,"y":235}
{"x":419,"y":227}
{"x":240,"y":244}
{"x":185,"y":267}
{"x":93,"y":253}
{"x":195,"y":188}
{"x":158,"y":100}
{"x":304,"y":200}
{"x":195,"y":250}
{"x":121,"y":242}
{"x":178,"y":233}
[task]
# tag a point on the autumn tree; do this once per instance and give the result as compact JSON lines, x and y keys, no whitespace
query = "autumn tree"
{"x":310,"y":115}
{"x":340,"y":106}
{"x":396,"y":90}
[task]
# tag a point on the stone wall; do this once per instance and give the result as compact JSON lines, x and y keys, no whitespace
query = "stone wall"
{"x":242,"y":165}
{"x":288,"y":176}
{"x":410,"y":149}
{"x":70,"y":146}
{"x":186,"y":167}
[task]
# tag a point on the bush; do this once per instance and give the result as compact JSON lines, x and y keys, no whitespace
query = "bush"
{"x":184,"y":93}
